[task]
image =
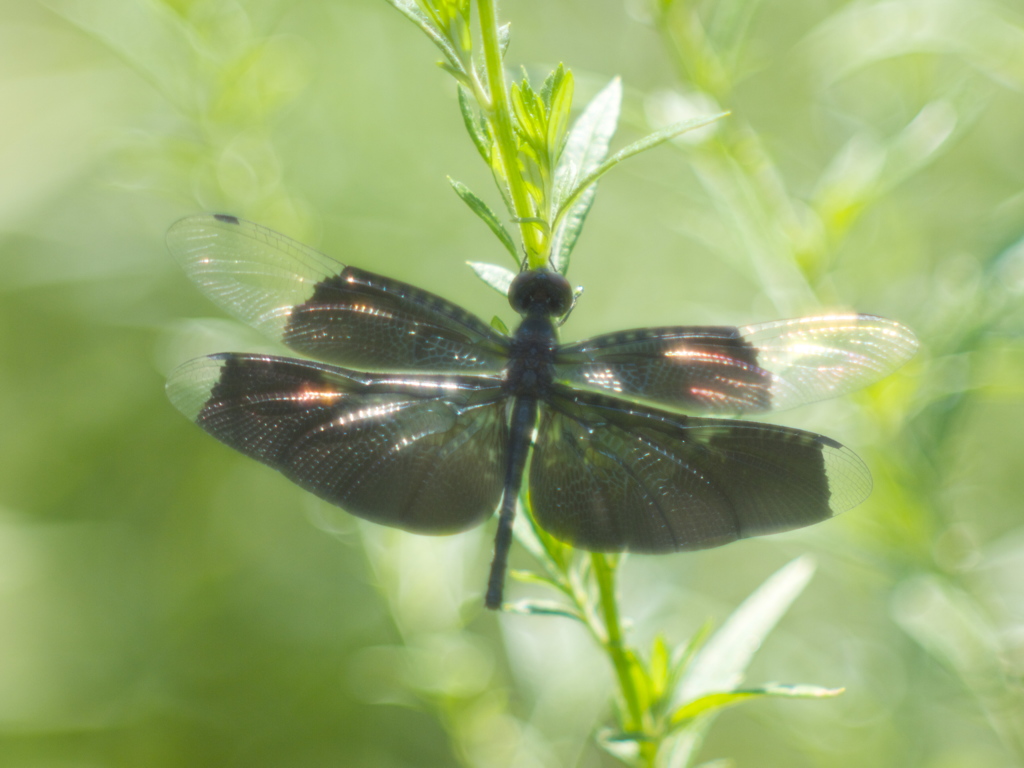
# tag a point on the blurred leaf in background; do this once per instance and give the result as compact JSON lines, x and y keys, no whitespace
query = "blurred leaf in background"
{"x":164,"y":602}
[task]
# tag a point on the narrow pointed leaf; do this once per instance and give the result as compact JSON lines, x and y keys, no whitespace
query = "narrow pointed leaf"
{"x":798,"y":691}
{"x":721,"y":762}
{"x":568,"y":230}
{"x":409,"y":9}
{"x":544,"y":608}
{"x":587,"y":144}
{"x":558,"y":113}
{"x":641,"y":680}
{"x":719,"y":665}
{"x":681,"y":662}
{"x":722,"y":662}
{"x":552,"y":83}
{"x":497,"y":277}
{"x":469,"y":117}
{"x":648,"y":142}
{"x":521,"y":103}
{"x":499,"y":325}
{"x":458,"y":74}
{"x":619,"y":745}
{"x":544,"y":547}
{"x":716,"y":701}
{"x":504,"y":37}
{"x":658,"y":667}
{"x":530,"y":577}
{"x":585,"y":147}
{"x":526,"y":535}
{"x":481,"y":209}
{"x":498,"y":174}
{"x":710,"y":703}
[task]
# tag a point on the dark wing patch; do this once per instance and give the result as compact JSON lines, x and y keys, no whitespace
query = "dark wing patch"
{"x":756,"y":368}
{"x":610,"y":476}
{"x":426,"y":454}
{"x":323,"y":309}
{"x":706,"y":369}
{"x":370,"y":321}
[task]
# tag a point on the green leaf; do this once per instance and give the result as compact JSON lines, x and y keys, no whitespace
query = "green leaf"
{"x":499,"y":278}
{"x":469,"y":117}
{"x":460,"y":25}
{"x":659,"y":667}
{"x":481,"y":209}
{"x":544,"y":608}
{"x":531,"y":577}
{"x":648,"y":142}
{"x":722,"y":662}
{"x":619,"y":745}
{"x":530,"y":536}
{"x":798,"y":691}
{"x":499,"y":325}
{"x":641,"y":680}
{"x":713,"y":702}
{"x":522,"y":99}
{"x":588,"y":141}
{"x":568,"y":229}
{"x":946,"y":622}
{"x":558,"y":113}
{"x":409,"y":9}
{"x":581,"y":569}
{"x":720,"y":762}
{"x":585,"y":148}
{"x":557,"y":80}
{"x":504,"y":37}
{"x":498,"y":174}
{"x":686,"y":655}
{"x":545,"y":547}
{"x":710,"y":703}
{"x":459,"y":75}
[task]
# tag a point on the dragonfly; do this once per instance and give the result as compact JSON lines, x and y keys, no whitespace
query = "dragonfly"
{"x":415,"y":414}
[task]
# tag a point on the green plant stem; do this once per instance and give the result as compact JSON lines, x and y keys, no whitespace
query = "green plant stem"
{"x":605,"y":576}
{"x":500,"y":113}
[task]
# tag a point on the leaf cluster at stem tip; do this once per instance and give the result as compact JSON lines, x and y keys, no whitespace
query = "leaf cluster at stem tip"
{"x":545,"y":166}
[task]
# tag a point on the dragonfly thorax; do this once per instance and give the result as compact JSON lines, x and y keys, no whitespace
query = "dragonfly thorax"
{"x":540,"y":291}
{"x":531,"y":365}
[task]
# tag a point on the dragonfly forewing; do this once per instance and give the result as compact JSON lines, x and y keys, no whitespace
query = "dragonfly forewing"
{"x":751,"y":369}
{"x":321,"y":308}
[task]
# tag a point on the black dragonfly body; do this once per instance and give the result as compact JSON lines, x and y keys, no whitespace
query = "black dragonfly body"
{"x":455,"y":413}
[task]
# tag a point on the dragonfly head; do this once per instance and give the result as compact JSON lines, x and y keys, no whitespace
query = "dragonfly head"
{"x":540,"y":291}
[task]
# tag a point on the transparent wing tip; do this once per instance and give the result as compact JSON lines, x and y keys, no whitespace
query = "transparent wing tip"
{"x":849,"y":479}
{"x":190,"y":384}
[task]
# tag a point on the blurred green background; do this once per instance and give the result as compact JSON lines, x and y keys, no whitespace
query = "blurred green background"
{"x":166,"y":602}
